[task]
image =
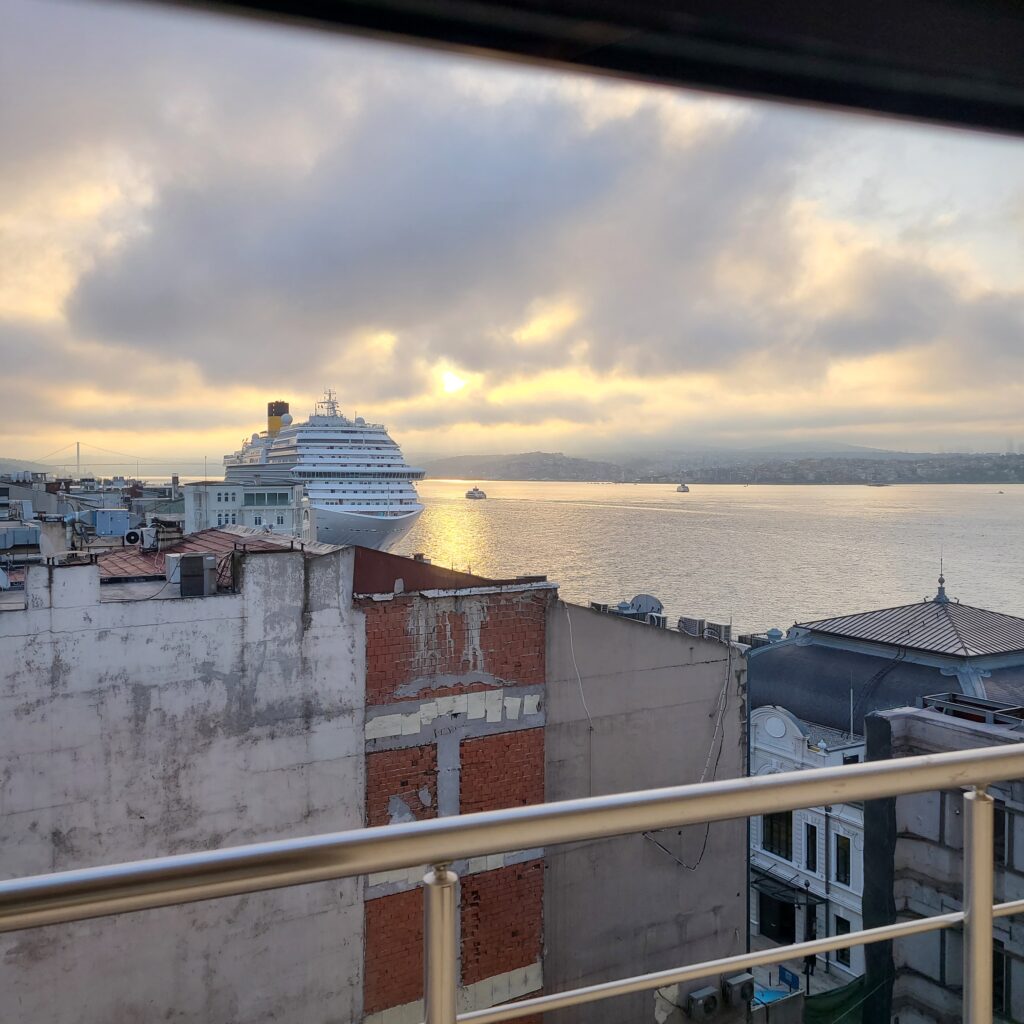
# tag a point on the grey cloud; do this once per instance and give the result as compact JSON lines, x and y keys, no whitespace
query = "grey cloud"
{"x":433,"y":213}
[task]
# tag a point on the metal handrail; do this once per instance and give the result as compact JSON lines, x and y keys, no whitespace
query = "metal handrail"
{"x":95,"y":892}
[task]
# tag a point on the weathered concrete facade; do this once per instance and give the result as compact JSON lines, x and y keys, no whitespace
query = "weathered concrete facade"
{"x":914,"y":868}
{"x":631,"y":707}
{"x":135,"y":728}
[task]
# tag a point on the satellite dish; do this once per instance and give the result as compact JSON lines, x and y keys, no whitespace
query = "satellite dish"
{"x":645,"y":604}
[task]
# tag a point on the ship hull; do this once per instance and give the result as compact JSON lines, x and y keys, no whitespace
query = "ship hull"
{"x":382,"y":533}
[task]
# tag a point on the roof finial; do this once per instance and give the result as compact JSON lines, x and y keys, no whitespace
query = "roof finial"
{"x":941,"y":595}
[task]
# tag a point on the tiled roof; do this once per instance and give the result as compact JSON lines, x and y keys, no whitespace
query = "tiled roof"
{"x":130,"y":561}
{"x":941,"y":627}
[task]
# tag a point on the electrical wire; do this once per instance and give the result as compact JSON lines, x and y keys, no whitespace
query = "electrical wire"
{"x":579,"y":678}
{"x":722,"y":705}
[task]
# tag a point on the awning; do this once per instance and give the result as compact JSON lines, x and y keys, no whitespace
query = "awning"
{"x":783,"y":890}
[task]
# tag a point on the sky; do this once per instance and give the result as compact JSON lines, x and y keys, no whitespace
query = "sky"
{"x":199,"y":215}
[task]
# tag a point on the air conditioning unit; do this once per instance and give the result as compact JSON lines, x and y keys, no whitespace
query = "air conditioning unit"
{"x":133,"y":537}
{"x":149,"y":538}
{"x":661,"y":621}
{"x":718,"y":631}
{"x":172,"y":568}
{"x":198,"y":575}
{"x":739,"y":989}
{"x":703,"y":1004}
{"x":692,"y":627}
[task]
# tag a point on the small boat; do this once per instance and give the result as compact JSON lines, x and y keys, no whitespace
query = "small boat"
{"x":683,"y":489}
{"x":475,"y":494}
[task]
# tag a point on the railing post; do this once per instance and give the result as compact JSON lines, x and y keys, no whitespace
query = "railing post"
{"x":978,"y":892}
{"x":440,"y":959}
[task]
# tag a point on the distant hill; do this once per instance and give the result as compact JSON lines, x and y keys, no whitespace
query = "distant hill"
{"x":525,"y":466}
{"x":21,"y":466}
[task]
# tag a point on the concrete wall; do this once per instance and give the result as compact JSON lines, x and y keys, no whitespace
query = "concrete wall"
{"x":624,"y":906}
{"x":146,"y":727}
{"x":922,"y":861}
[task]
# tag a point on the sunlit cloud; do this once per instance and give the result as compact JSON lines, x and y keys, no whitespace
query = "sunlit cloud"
{"x":198,"y":215}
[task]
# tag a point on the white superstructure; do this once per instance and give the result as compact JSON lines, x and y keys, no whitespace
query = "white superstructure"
{"x":359,"y":489}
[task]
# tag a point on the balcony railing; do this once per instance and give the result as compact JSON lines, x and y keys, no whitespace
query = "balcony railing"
{"x":121,"y":888}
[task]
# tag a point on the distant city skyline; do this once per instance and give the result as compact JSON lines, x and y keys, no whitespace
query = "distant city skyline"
{"x":200,"y":215}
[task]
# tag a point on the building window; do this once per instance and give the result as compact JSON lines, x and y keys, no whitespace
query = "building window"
{"x":220,"y":518}
{"x":811,"y":847}
{"x":777,"y":834}
{"x":233,"y":518}
{"x":843,"y":860}
{"x":842,"y":928}
{"x":234,"y":496}
{"x":220,"y":497}
{"x":257,"y":520}
{"x":1001,"y":835}
{"x":280,"y":520}
{"x":1000,"y":980}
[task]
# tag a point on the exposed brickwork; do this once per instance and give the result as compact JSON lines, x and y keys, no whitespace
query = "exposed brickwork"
{"x":431,"y":647}
{"x":502,"y":913}
{"x":393,"y":973}
{"x":513,"y":639}
{"x":504,"y":770}
{"x":499,"y":638}
{"x":405,"y":774}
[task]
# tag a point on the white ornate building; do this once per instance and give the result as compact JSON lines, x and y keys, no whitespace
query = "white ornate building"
{"x":806,"y":866}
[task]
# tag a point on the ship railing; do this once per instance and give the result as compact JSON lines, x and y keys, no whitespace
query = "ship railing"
{"x":123,"y":888}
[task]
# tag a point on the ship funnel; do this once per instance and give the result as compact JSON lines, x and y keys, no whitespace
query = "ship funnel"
{"x":275,"y":410}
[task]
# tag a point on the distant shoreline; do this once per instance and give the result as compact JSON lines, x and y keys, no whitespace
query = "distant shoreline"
{"x":727,"y":483}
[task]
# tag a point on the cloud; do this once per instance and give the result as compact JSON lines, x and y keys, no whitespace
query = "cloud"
{"x":200,"y":207}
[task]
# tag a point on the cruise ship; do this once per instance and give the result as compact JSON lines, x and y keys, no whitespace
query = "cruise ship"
{"x":359,"y":489}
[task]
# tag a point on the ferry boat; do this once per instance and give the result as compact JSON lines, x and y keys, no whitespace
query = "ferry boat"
{"x":359,"y":489}
{"x":475,"y":494}
{"x":683,"y":489}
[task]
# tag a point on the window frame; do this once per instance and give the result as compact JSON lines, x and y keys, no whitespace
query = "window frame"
{"x":846,"y":860}
{"x":842,"y":955}
{"x":777,"y":834}
{"x":810,"y":847}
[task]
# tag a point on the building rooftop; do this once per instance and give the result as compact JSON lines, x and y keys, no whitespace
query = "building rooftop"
{"x":131,"y":562}
{"x":938,"y":626}
{"x":832,"y":738}
{"x":378,"y":572}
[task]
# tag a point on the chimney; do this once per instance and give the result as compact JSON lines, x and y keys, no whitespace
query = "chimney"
{"x":275,"y":410}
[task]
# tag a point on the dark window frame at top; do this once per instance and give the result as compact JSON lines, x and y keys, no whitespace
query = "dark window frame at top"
{"x":1001,"y":834}
{"x":843,"y":928}
{"x":844,"y":858}
{"x":777,"y":834}
{"x":1002,"y":1004}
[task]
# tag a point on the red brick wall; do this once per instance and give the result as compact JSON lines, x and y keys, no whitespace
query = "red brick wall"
{"x":501,"y":920}
{"x":503,"y":770}
{"x":501,"y":910}
{"x":401,"y":773}
{"x":511,"y":640}
{"x":393,"y":971}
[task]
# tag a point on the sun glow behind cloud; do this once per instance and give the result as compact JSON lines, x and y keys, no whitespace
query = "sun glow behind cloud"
{"x":479,"y":255}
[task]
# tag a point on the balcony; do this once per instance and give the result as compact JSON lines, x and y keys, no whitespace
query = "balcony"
{"x":119,"y":889}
